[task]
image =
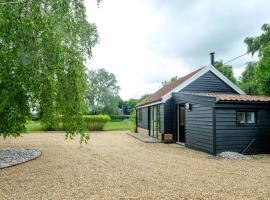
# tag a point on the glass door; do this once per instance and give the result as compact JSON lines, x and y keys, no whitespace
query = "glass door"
{"x":155,"y":121}
{"x":180,"y":123}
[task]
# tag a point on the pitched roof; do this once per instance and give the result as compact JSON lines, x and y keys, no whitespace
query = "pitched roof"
{"x":166,"y":89}
{"x":236,"y":97}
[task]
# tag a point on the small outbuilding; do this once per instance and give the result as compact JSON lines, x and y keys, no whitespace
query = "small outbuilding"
{"x":206,"y":111}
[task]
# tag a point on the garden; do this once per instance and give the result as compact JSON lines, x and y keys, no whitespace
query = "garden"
{"x":92,"y":123}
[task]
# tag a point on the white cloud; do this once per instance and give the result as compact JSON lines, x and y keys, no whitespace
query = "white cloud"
{"x":144,"y":42}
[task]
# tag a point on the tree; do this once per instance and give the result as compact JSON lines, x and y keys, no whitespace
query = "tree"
{"x":261,"y":44}
{"x":102,"y":94}
{"x":166,"y":82}
{"x":226,"y":70}
{"x":248,"y":80}
{"x":263,"y":72}
{"x":257,"y":44}
{"x":43,"y":47}
{"x":143,"y":97}
{"x":128,"y":106}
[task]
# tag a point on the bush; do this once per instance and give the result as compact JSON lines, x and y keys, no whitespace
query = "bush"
{"x":96,"y":122}
{"x":119,"y":117}
{"x":133,"y":119}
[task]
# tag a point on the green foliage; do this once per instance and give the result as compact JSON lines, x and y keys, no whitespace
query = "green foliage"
{"x":143,"y":97}
{"x":44,"y":45}
{"x":263,"y":72}
{"x":261,"y":44}
{"x":119,"y":117}
{"x":32,"y":126}
{"x":96,"y":122}
{"x":133,"y":119}
{"x":226,"y":70}
{"x":128,"y":106}
{"x":248,"y":82}
{"x":102,"y":93}
{"x":257,"y":44}
{"x":166,"y":82}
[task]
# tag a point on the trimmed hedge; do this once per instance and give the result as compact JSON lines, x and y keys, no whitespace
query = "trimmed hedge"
{"x":96,"y":122}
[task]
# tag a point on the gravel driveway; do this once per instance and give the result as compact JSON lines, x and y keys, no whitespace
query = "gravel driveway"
{"x":115,"y":165}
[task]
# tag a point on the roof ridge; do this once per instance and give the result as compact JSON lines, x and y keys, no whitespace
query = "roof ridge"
{"x":156,"y":96}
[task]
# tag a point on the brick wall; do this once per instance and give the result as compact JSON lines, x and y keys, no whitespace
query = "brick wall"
{"x":143,"y":131}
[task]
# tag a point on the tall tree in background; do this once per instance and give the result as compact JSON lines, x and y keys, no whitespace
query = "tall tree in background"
{"x":166,"y":82}
{"x":226,"y":70}
{"x":102,"y":94}
{"x":261,"y":45}
{"x":43,"y":47}
{"x":128,"y":106}
{"x":263,"y":72}
{"x":248,"y":81}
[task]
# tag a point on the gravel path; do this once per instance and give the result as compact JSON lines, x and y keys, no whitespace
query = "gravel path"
{"x":115,"y":165}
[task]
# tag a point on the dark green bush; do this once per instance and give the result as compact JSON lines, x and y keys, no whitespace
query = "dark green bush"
{"x":119,"y":117}
{"x":96,"y":122}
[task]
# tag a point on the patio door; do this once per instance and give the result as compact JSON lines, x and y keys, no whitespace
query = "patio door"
{"x":180,"y":123}
{"x":155,"y":121}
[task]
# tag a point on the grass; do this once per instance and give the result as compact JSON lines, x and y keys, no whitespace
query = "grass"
{"x":119,"y":125}
{"x":32,"y":126}
{"x":115,"y":125}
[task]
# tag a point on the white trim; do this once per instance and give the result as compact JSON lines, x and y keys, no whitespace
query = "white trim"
{"x":151,"y":104}
{"x":185,"y":83}
{"x":199,"y":74}
{"x":193,"y":78}
{"x":226,"y":80}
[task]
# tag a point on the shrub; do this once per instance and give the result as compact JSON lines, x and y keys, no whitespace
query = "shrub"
{"x":133,"y":119}
{"x":119,"y":117}
{"x":96,"y":122}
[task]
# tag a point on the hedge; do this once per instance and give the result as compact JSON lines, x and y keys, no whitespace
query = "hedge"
{"x":96,"y":122}
{"x":119,"y":117}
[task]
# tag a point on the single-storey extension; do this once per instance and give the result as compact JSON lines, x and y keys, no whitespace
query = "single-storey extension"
{"x":207,"y":112}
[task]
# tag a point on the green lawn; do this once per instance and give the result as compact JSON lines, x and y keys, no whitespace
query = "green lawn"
{"x":33,"y":126}
{"x":119,"y":125}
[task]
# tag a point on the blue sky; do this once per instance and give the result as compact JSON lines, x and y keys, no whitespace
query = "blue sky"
{"x":144,"y":42}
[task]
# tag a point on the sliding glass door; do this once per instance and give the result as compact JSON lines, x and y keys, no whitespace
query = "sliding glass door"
{"x":155,"y":121}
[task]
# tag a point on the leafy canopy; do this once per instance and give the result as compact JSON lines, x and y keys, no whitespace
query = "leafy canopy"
{"x":226,"y":70}
{"x":102,"y":92}
{"x":43,"y":47}
{"x":261,"y":45}
{"x":166,"y":82}
{"x":257,"y":44}
{"x":248,"y":81}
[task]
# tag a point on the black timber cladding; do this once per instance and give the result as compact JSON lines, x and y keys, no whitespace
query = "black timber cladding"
{"x":143,"y":123}
{"x":209,"y":82}
{"x":169,"y":116}
{"x":161,"y":113}
{"x":198,"y":122}
{"x":233,"y":137}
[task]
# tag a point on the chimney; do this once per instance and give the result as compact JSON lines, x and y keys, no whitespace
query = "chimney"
{"x":212,"y":56}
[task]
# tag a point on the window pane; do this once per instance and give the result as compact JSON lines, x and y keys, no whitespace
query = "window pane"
{"x":240,"y":117}
{"x":250,"y":118}
{"x":182,"y":116}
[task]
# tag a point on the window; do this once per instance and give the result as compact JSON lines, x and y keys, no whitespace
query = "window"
{"x":245,"y":117}
{"x":140,"y":115}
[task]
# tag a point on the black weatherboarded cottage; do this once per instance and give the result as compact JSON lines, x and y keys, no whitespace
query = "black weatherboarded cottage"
{"x":206,"y":111}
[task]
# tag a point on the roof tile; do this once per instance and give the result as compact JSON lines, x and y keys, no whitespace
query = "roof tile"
{"x":166,"y":89}
{"x":235,"y":97}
